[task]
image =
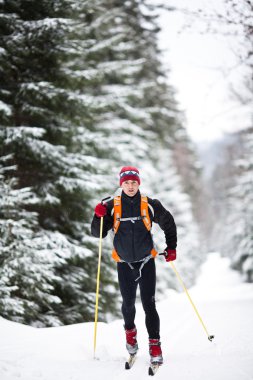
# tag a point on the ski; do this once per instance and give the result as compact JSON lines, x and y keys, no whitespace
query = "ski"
{"x":130,"y":362}
{"x":153,"y":368}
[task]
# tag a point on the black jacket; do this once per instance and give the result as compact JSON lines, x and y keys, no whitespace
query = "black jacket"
{"x":133,"y":241}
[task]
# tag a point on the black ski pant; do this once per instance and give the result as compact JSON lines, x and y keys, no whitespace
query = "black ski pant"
{"x":128,"y":288}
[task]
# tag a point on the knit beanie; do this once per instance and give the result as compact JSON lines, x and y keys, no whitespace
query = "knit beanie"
{"x":129,"y":173}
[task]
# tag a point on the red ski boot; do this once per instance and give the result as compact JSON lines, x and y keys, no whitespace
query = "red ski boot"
{"x":155,"y":351}
{"x":131,"y":341}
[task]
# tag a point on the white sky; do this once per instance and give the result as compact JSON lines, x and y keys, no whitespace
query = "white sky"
{"x":201,"y":70}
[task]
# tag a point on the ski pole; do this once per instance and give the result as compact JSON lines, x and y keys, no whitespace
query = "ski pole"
{"x":210,"y":337}
{"x":107,"y":199}
{"x":98,"y":280}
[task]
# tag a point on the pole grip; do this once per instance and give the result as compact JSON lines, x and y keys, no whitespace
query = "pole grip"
{"x":107,"y":199}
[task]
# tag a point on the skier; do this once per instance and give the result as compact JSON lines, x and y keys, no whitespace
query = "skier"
{"x":130,"y":216}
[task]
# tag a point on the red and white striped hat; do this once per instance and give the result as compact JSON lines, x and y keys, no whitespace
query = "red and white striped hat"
{"x":129,"y":173}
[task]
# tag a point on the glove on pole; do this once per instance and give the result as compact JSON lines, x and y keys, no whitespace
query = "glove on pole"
{"x":98,"y":279}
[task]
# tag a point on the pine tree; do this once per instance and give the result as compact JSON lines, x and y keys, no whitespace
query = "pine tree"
{"x":166,"y":185}
{"x":42,"y":107}
{"x":232,"y":181}
{"x":240,"y":218}
{"x":26,"y":267}
{"x":83,"y":93}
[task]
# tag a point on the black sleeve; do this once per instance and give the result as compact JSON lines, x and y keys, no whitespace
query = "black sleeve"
{"x":107,"y":223}
{"x":166,"y":222}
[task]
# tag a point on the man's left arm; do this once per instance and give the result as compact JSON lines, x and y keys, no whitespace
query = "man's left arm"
{"x":166,"y":222}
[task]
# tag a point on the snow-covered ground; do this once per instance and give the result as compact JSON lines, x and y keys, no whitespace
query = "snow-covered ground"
{"x":66,"y":353}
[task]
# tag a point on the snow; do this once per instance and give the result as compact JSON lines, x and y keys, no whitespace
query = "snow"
{"x":223,"y":301}
{"x":5,"y":108}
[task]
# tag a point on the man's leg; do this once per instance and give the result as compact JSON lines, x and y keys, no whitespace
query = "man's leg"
{"x":147,"y":289}
{"x":128,"y":287}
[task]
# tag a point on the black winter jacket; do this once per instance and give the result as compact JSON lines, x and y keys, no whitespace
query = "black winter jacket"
{"x":133,"y":241}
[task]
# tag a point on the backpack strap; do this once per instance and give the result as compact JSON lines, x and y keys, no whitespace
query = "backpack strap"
{"x":115,"y":256}
{"x":144,"y":212}
{"x":146,"y":219}
{"x":117,"y":213}
{"x":117,"y":209}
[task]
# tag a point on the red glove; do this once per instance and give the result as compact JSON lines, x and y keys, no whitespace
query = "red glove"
{"x":170,"y":254}
{"x":100,"y":210}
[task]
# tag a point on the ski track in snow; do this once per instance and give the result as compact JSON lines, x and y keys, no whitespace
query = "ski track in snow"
{"x":66,"y":353}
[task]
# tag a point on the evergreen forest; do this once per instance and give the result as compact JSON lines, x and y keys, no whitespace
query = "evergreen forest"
{"x":83,"y":92}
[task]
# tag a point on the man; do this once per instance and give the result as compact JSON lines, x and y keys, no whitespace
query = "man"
{"x":131,"y":216}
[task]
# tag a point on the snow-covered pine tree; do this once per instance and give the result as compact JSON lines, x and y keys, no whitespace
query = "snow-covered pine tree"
{"x":240,"y":218}
{"x":144,"y":124}
{"x":92,"y":87}
{"x":167,"y":186}
{"x":231,"y":185}
{"x":41,"y":111}
{"x":26,"y":264}
{"x":140,"y":105}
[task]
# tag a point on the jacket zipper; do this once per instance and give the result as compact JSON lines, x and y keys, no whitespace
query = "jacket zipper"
{"x":132,"y":209}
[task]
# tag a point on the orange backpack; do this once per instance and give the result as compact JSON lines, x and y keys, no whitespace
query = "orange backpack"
{"x":117,"y":219}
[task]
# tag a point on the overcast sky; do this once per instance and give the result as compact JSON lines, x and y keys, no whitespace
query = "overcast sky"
{"x":201,"y":69}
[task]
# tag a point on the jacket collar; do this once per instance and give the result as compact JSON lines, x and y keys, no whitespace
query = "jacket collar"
{"x":135,"y":199}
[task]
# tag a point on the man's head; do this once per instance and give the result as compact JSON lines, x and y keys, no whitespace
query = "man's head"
{"x":130,"y":180}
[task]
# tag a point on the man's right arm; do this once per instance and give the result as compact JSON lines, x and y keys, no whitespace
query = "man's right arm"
{"x":107,"y":222}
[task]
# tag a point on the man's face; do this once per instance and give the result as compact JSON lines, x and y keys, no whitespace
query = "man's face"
{"x":130,"y":188}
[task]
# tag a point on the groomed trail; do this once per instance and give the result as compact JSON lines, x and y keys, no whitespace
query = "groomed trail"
{"x":224,"y":302}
